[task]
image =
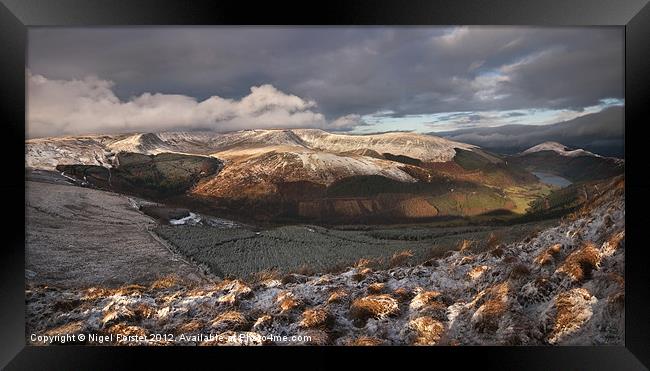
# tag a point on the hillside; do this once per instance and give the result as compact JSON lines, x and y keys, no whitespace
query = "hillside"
{"x":577,"y":165}
{"x":561,"y":286}
{"x":302,"y":173}
{"x":160,"y":175}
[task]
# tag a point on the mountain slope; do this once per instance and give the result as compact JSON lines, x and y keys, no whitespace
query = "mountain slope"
{"x":558,"y":148}
{"x":155,"y":176}
{"x":577,"y":165}
{"x":47,"y":153}
{"x":423,"y":147}
{"x":562,"y":286}
{"x":291,"y":164}
{"x":309,"y":173}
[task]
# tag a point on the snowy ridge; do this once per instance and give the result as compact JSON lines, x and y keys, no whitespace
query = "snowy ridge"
{"x":148,"y":143}
{"x":423,"y":147}
{"x":358,"y":165}
{"x":259,"y":138}
{"x":321,"y":167}
{"x":560,"y":149}
{"x":46,"y":153}
{"x":258,"y":169}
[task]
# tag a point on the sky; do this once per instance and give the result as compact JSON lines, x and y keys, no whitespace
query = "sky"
{"x":345,"y":79}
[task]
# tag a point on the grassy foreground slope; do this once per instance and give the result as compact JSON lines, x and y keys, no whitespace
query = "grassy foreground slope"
{"x":562,"y":286}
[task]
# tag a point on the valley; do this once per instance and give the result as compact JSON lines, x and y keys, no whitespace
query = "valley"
{"x":68,"y":240}
{"x":326,"y":186}
{"x":561,"y":284}
{"x":306,"y":175}
{"x":270,"y":225}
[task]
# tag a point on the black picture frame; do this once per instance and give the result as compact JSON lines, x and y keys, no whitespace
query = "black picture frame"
{"x":17,"y":15}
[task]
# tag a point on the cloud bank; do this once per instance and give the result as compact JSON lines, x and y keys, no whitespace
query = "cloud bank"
{"x":359,"y":79}
{"x":601,"y":132}
{"x":89,"y":105}
{"x":349,"y":70}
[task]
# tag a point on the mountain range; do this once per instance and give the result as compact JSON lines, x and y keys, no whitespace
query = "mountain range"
{"x":310,"y":174}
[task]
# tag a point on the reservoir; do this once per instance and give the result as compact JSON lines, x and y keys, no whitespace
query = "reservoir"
{"x":551,"y":179}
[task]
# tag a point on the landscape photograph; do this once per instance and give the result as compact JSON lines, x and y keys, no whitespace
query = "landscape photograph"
{"x":325,"y":186}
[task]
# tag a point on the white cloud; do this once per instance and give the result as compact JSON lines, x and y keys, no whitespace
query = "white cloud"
{"x":488,"y":87}
{"x":347,"y":123}
{"x":514,"y":67}
{"x":454,"y":37}
{"x":68,"y":107}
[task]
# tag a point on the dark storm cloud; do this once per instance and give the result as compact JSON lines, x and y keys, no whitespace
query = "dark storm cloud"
{"x":601,"y":132}
{"x":348,"y":71}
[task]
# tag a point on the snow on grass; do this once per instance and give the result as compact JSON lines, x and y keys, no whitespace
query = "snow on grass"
{"x":450,"y":303}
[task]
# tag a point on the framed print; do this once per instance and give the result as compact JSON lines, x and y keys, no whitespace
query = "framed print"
{"x":448,"y":180}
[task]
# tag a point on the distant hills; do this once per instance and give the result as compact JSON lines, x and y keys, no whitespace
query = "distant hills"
{"x":576,"y":165}
{"x":601,"y":133}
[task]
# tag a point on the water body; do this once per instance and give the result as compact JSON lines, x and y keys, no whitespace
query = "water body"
{"x":551,"y":179}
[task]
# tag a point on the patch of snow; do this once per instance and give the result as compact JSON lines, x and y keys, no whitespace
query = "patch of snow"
{"x":191,"y":219}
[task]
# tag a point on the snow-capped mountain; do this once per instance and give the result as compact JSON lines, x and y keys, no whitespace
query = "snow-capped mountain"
{"x":47,"y":152}
{"x":424,"y":147}
{"x":258,"y":157}
{"x":575,"y":165}
{"x":315,"y":174}
{"x":560,"y":149}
